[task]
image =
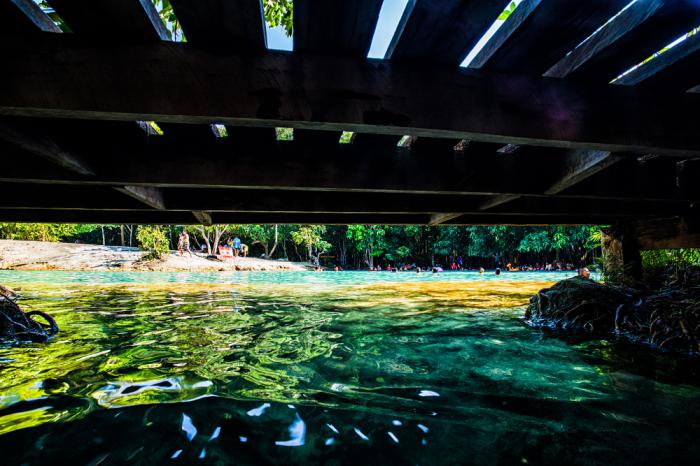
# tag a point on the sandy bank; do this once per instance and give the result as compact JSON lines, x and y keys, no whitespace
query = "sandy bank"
{"x":37,"y":255}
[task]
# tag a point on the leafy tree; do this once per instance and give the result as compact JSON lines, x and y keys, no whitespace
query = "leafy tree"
{"x":211,"y":236}
{"x":154,"y":241}
{"x":311,"y":236}
{"x":369,"y":240}
{"x":43,"y":231}
{"x":280,"y":13}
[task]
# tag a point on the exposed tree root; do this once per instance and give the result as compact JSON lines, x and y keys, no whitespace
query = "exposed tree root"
{"x":15,"y":324}
{"x":668,"y":318}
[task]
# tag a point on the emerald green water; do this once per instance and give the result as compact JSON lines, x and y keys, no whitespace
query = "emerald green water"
{"x":332,"y":368}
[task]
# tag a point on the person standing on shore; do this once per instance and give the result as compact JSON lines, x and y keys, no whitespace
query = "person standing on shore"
{"x":184,"y":243}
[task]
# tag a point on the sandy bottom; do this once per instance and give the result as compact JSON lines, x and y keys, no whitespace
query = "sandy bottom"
{"x":38,"y":255}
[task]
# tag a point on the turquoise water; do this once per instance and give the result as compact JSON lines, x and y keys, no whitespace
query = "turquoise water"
{"x":330,"y":368}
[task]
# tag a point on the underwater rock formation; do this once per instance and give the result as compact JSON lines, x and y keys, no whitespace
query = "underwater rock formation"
{"x":15,"y":324}
{"x":668,"y":318}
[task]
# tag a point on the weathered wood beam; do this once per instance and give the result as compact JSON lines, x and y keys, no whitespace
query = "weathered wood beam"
{"x":223,"y":25}
{"x":149,"y":195}
{"x":186,"y":218}
{"x":437,"y":219}
{"x":134,"y":20}
{"x":30,"y":13}
{"x":165,"y":162}
{"x":336,"y":27}
{"x":516,"y":18}
{"x":202,"y":217}
{"x":668,"y":233}
{"x":578,"y":165}
{"x":582,"y":165}
{"x":32,"y":140}
{"x":627,"y":20}
{"x":61,"y":79}
{"x":661,"y":62}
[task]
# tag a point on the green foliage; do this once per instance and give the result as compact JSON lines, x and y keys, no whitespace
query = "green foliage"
{"x":43,"y":231}
{"x":285,"y":134}
{"x":311,"y":236}
{"x":676,"y":258}
{"x":154,"y":241}
{"x":507,"y":11}
{"x":280,"y":13}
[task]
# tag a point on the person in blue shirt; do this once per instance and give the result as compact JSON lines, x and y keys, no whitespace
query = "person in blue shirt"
{"x":236,"y":246}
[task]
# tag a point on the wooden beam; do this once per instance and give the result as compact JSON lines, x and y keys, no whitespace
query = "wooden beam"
{"x":149,"y":195}
{"x":550,"y":32}
{"x":437,"y":219}
{"x":668,"y":233}
{"x":33,"y":141}
{"x":336,"y":27}
{"x":582,"y":165}
{"x":223,"y":25}
{"x":24,"y":17}
{"x":202,"y":217}
{"x":59,"y":79}
{"x":666,"y":59}
{"x":516,"y":18}
{"x":135,"y":20}
{"x":627,"y":20}
{"x":187,"y":218}
{"x":578,"y":166}
{"x":441,"y":31}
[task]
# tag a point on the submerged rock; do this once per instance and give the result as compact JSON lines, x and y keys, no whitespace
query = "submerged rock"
{"x":15,"y":324}
{"x":668,"y":318}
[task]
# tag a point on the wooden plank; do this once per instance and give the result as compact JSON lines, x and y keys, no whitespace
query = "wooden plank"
{"x":166,"y":162}
{"x":668,"y":23}
{"x":135,"y":20}
{"x":626,"y":21}
{"x":576,"y":167}
{"x":442,"y":31}
{"x":186,"y":218}
{"x":513,"y":23}
{"x":202,"y":217}
{"x":32,"y":140}
{"x":668,"y":233}
{"x":437,"y":219}
{"x":57,"y":78}
{"x":336,"y":27}
{"x":22,"y":17}
{"x":552,"y":30}
{"x":680,"y":76}
{"x":223,"y":25}
{"x":149,"y":195}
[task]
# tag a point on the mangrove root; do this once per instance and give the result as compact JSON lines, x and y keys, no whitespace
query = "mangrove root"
{"x":17,"y":325}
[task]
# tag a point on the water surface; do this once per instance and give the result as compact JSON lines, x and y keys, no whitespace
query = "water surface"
{"x":289,"y":367}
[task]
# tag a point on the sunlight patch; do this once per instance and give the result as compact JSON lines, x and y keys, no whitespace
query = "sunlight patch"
{"x":284,"y":134}
{"x":665,"y":49}
{"x":346,"y":137}
{"x":151,"y":128}
{"x":389,"y":18}
{"x":53,"y":16}
{"x":219,"y":130}
{"x":490,"y":32}
{"x":167,"y":16}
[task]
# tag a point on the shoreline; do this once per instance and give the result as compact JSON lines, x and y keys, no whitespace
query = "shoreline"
{"x":40,"y":255}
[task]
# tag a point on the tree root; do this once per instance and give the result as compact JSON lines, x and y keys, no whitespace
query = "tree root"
{"x":17,"y":325}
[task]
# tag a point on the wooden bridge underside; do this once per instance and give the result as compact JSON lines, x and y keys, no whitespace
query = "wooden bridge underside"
{"x":535,"y":135}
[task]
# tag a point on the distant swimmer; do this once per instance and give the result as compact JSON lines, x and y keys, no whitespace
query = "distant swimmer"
{"x":498,"y":271}
{"x":417,"y":269}
{"x":584,"y":272}
{"x":481,"y":270}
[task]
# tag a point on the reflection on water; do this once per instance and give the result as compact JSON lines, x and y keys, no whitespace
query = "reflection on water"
{"x":336,"y":368}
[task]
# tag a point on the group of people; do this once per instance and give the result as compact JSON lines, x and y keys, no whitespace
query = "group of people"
{"x":236,"y":246}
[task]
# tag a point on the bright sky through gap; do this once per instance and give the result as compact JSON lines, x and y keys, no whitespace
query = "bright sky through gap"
{"x":389,"y":17}
{"x":277,"y":39}
{"x":486,"y":37}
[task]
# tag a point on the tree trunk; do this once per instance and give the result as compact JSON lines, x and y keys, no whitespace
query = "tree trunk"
{"x":121,"y":233}
{"x":274,"y":245}
{"x":103,"y":235}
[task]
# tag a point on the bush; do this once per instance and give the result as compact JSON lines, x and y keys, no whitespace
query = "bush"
{"x":154,"y":241}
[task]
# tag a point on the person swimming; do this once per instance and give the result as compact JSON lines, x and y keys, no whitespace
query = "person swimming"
{"x":481,"y":270}
{"x":498,"y":271}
